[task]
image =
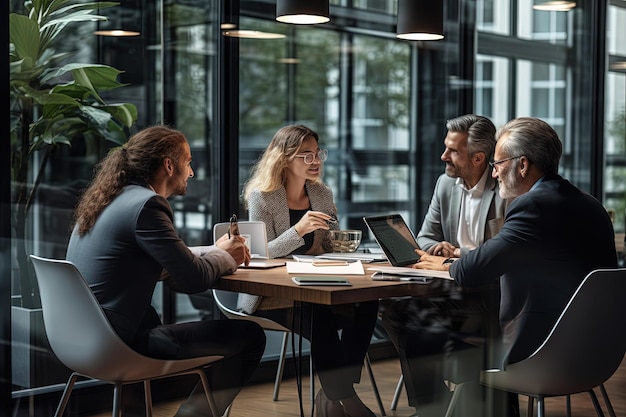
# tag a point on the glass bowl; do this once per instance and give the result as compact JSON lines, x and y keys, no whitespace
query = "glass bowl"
{"x":345,"y":240}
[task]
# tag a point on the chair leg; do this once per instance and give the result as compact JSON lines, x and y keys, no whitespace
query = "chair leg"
{"x":531,"y":407}
{"x":370,"y":373}
{"x":208,"y":393}
{"x":455,"y":398}
{"x":396,"y":394}
{"x":568,"y":405}
{"x":69,"y":386}
{"x":609,"y":406}
{"x":148,"y":397}
{"x":281,"y":366}
{"x":541,"y":406}
{"x":311,"y":382}
{"x":117,"y":400}
{"x":596,"y":403}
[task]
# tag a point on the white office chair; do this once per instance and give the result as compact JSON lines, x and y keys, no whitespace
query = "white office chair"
{"x":256,"y":230}
{"x":82,"y":338}
{"x":583,"y":350}
{"x":227,"y":303}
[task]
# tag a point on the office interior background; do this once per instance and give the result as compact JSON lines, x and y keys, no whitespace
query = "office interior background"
{"x":379,"y":104}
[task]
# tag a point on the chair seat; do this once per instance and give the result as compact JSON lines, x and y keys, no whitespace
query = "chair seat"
{"x":81,"y":336}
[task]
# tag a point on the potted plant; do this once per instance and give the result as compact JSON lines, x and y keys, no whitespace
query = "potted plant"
{"x":52,"y":103}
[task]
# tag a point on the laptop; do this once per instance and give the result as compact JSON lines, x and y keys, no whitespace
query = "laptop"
{"x":256,"y":240}
{"x":394,"y":237}
{"x":399,"y":244}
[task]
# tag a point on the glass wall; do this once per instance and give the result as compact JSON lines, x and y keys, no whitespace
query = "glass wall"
{"x":379,"y":105}
{"x":615,"y":116}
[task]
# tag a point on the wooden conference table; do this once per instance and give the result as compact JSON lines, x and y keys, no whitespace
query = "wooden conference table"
{"x":276,"y":282}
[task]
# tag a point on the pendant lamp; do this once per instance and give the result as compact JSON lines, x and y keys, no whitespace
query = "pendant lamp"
{"x":302,"y":12}
{"x":420,"y":20}
{"x":555,"y":5}
{"x":117,"y":24}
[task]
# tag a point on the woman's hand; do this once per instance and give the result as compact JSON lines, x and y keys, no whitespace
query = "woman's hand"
{"x":432,"y":262}
{"x":236,"y":247}
{"x":311,"y":221}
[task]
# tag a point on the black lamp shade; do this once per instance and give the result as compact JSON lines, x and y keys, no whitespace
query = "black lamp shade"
{"x":302,"y":11}
{"x":420,"y":19}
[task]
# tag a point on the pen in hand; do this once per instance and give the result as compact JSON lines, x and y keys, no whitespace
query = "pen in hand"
{"x":233,"y":229}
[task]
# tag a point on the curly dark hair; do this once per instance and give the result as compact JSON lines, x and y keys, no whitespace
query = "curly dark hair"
{"x":133,"y":163}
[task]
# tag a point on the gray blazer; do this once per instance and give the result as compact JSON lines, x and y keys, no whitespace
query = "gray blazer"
{"x":442,"y":220}
{"x":271,"y":208}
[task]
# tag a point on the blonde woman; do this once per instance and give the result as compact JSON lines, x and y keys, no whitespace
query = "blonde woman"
{"x":286,"y":192}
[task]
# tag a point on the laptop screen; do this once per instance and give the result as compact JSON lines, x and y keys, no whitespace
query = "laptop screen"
{"x":394,"y":237}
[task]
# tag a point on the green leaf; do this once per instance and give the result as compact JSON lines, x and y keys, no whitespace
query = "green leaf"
{"x":24,"y":34}
{"x":126,"y":113}
{"x":101,"y":77}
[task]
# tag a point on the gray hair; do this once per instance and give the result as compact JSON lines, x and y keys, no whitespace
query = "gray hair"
{"x":480,"y":130}
{"x":536,"y":140}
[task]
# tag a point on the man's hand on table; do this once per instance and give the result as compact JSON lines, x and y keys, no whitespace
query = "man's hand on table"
{"x":432,"y":262}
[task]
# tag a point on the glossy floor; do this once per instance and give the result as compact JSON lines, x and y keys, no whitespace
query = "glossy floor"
{"x":256,"y":400}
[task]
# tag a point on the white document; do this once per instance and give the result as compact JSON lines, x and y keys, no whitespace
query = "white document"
{"x":350,"y":268}
{"x":410,"y":272}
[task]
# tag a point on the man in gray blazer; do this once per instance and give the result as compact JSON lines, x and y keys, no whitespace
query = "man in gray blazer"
{"x":465,"y":211}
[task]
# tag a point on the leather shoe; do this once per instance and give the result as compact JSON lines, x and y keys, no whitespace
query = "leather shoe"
{"x":354,"y":407}
{"x":325,"y":407}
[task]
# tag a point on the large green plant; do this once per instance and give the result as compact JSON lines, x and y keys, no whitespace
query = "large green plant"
{"x":52,"y":103}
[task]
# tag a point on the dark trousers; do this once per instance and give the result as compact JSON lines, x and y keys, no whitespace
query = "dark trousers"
{"x":242,"y":344}
{"x":443,"y":339}
{"x":337,"y":356}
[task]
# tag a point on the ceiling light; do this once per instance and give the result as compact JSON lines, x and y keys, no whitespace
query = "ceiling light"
{"x":555,"y":6}
{"x":252,"y":34}
{"x":302,"y":12}
{"x":420,"y":20}
{"x":116,"y":32}
{"x":618,"y":66}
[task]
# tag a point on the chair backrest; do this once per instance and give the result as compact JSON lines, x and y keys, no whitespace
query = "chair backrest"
{"x":256,"y":230}
{"x":81,"y":336}
{"x":227,"y":303}
{"x":587,"y":343}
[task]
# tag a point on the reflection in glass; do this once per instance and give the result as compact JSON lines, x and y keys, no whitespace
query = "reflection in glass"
{"x":493,"y":16}
{"x":542,"y":25}
{"x":492,"y":92}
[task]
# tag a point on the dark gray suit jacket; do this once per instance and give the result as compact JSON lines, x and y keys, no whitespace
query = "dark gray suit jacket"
{"x":552,"y":237}
{"x":124,"y":254}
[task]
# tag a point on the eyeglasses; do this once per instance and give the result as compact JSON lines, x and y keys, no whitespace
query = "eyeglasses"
{"x":309,"y":157}
{"x":495,"y":164}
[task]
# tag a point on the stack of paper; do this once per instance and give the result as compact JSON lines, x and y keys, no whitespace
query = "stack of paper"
{"x":410,"y":272}
{"x":331,"y":268}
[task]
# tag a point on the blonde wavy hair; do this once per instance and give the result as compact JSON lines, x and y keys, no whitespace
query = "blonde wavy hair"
{"x":269,"y":172}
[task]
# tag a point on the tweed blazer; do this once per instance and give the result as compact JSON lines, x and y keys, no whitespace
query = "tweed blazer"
{"x":271,"y":208}
{"x":441,"y":222}
{"x":282,"y":239}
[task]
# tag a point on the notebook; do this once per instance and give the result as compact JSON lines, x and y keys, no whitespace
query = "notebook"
{"x":346,"y":256}
{"x":395,"y":238}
